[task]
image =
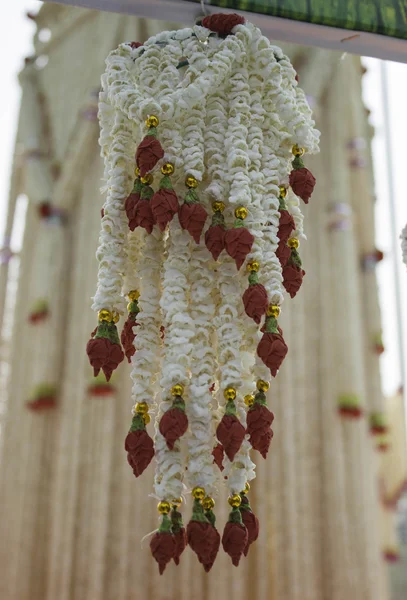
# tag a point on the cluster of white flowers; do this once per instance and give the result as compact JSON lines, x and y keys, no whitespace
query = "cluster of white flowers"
{"x":229,"y":119}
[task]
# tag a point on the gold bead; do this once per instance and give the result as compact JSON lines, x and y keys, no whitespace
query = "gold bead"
{"x":218,"y":206}
{"x":297,"y":151}
{"x":283,"y":191}
{"x":263,"y":386}
{"x":273,"y":311}
{"x":146,"y":419}
{"x":152,"y":121}
{"x":137,"y":172}
{"x":229,"y":393}
{"x":134,"y":295}
{"x":141,"y":408}
{"x":191,"y":182}
{"x":241,"y":212}
{"x":147,"y":179}
{"x":293,"y":243}
{"x":176,"y":501}
{"x":164,"y":507}
{"x":198,"y":493}
{"x":246,"y":488}
{"x":234,"y":501}
{"x":253,"y":265}
{"x":208,"y":503}
{"x":249,"y":400}
{"x":177,"y":390}
{"x":116,"y":316}
{"x":105,"y":315}
{"x":167,"y":169}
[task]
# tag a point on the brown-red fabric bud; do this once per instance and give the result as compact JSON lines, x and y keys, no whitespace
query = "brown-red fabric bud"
{"x":164,"y":205}
{"x":105,"y":355}
{"x":140,"y":450}
{"x":255,"y":302}
{"x":127,"y":336}
{"x":192,"y":217}
{"x":218,"y":454}
{"x":143,"y":216}
{"x":130,"y":206}
{"x":272,"y":350}
{"x":173,"y":425}
{"x":286,"y":226}
{"x":283,"y":253}
{"x":230,"y":433}
{"x":215,"y":543}
{"x":259,"y":419}
{"x":302,"y":183}
{"x":149,"y":152}
{"x":203,"y":540}
{"x":162,"y":546}
{"x":238,"y":244}
{"x":222,"y":24}
{"x":215,"y":240}
{"x":234,"y":541}
{"x":250,"y":521}
{"x":292,"y":278}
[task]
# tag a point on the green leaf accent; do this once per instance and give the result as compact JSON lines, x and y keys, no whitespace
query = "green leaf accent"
{"x":260,"y":398}
{"x":271,"y":325}
{"x":165,"y":183}
{"x":134,"y":308}
{"x":176,"y":520}
{"x":238,"y":223}
{"x":253,"y":278}
{"x":210,"y":515}
{"x":165,"y":526}
{"x":298,"y":163}
{"x":137,"y":423}
{"x":137,"y":187}
{"x":191,"y":196}
{"x":179,"y":402}
{"x":152,"y":131}
{"x":235,"y":516}
{"x":351,"y":400}
{"x":218,"y":219}
{"x":378,"y":419}
{"x":230,"y":409}
{"x":109,"y":331}
{"x":198,"y":512}
{"x":282,"y":204}
{"x":295,"y":258}
{"x":147,"y":192}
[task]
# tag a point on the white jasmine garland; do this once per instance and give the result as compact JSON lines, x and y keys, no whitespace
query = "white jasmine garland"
{"x":403,"y":238}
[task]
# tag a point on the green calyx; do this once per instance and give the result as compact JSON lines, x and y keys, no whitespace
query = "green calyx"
{"x":245,"y":504}
{"x":179,"y":402}
{"x":210,"y":515}
{"x":253,"y":278}
{"x":378,"y":419}
{"x":137,"y":187}
{"x":165,"y":526}
{"x":235,"y":516}
{"x":152,"y":131}
{"x":271,"y":326}
{"x":133,"y":307}
{"x":147,"y":192}
{"x":238,"y":223}
{"x":298,"y":163}
{"x":108,"y":331}
{"x":260,"y":398}
{"x":230,"y":409}
{"x":295,"y":258}
{"x":165,"y":183}
{"x":176,"y":520}
{"x":137,"y":423}
{"x":282,"y":204}
{"x":191,"y":197}
{"x":198,"y":512}
{"x":218,"y":219}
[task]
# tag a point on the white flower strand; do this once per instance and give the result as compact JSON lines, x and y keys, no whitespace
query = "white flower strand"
{"x":146,"y":361}
{"x":111,"y":252}
{"x":201,"y":469}
{"x":403,"y":238}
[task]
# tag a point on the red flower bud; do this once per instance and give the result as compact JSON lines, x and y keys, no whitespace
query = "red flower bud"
{"x":204,"y":541}
{"x":234,"y":540}
{"x":283,"y":253}
{"x":259,"y":419}
{"x":255,"y":301}
{"x":164,"y":205}
{"x":127,"y":336}
{"x":222,"y":24}
{"x":162,"y":546}
{"x":173,"y":425}
{"x":230,"y":432}
{"x":215,"y":240}
{"x":192,"y":217}
{"x":250,"y":521}
{"x":272,"y":350}
{"x":286,"y":226}
{"x":302,"y":183}
{"x":292,"y":275}
{"x":238,"y":244}
{"x":105,"y":355}
{"x":130,"y":207}
{"x":148,"y":154}
{"x":218,"y":454}
{"x":140,"y":450}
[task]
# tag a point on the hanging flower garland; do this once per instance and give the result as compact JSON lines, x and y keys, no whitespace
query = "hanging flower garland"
{"x":203,"y":133}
